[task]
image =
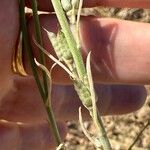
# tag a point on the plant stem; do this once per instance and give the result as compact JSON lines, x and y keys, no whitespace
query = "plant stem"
{"x":53,"y":125}
{"x":103,"y":137}
{"x":77,"y":60}
{"x":28,"y":46}
{"x":35,"y":73}
{"x":39,"y":40}
{"x":131,"y":146}
{"x":70,"y":39}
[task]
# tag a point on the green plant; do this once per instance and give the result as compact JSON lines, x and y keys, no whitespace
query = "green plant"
{"x":68,"y":51}
{"x":45,"y":92}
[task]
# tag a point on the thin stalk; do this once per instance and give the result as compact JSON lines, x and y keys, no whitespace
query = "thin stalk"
{"x":77,"y":60}
{"x":39,"y":40}
{"x":53,"y":125}
{"x":28,"y":47}
{"x":48,"y":106}
{"x":103,"y":139}
{"x":70,"y":39}
{"x":35,"y":73}
{"x":137,"y":138}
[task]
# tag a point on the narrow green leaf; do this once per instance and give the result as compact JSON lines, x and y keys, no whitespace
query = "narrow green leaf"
{"x":92,"y":90}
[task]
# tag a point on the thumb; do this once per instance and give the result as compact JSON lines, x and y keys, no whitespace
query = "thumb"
{"x":9,"y":29}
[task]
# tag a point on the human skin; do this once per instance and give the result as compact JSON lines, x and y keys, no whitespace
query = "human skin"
{"x":120,"y":54}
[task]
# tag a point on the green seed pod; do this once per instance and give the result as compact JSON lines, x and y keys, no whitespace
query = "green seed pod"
{"x":57,"y":45}
{"x":86,"y":94}
{"x":67,"y":55}
{"x":70,"y":62}
{"x":66,"y":4}
{"x":61,"y":48}
{"x":61,"y":45}
{"x":87,"y":102}
{"x":85,"y":80}
{"x":77,"y":85}
{"x":84,"y":89}
{"x":83,"y":93}
{"x":75,"y":3}
{"x":52,"y":37}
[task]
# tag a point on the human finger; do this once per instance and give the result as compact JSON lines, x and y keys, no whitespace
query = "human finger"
{"x":18,"y":103}
{"x":112,"y":100}
{"x":9,"y":29}
{"x":120,"y":49}
{"x":8,"y":34}
{"x":46,"y":5}
{"x":17,"y":135}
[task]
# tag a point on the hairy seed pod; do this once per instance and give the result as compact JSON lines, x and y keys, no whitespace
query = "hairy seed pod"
{"x":87,"y":102}
{"x":85,"y":80}
{"x":84,"y":93}
{"x":53,"y":39}
{"x":66,"y":56}
{"x":66,"y":4}
{"x":61,"y":48}
{"x":84,"y":89}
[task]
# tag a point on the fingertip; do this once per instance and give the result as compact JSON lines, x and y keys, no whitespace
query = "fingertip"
{"x":126,"y":99}
{"x":114,"y":50}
